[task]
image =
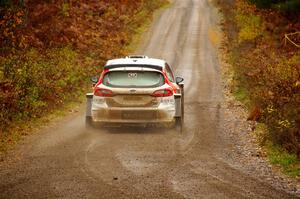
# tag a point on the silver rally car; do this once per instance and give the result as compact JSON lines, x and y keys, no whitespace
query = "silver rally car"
{"x":136,"y":90}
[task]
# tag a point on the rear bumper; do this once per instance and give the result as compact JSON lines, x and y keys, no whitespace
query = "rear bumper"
{"x":134,"y":115}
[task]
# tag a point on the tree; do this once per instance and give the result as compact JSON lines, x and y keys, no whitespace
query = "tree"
{"x":283,"y":5}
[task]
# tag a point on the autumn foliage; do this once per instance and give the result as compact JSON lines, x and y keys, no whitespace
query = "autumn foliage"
{"x":48,"y":49}
{"x":270,"y":82}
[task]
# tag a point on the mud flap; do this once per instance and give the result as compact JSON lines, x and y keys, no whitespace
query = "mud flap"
{"x":181,"y":85}
{"x":177,"y":105}
{"x":179,"y":108}
{"x":89,"y":100}
{"x":88,"y":114}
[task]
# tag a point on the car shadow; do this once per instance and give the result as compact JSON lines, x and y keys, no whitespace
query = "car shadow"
{"x":123,"y":129}
{"x":138,"y":130}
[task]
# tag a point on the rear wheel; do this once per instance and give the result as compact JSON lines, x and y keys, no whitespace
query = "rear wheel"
{"x":179,"y":123}
{"x":89,"y":123}
{"x":180,"y":120}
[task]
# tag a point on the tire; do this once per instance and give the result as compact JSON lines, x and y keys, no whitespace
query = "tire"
{"x":89,"y":123}
{"x":179,"y":123}
{"x":182,"y":107}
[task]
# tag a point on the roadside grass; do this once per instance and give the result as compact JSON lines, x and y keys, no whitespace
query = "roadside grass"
{"x":288,"y":162}
{"x":240,"y":93}
{"x":238,"y":84}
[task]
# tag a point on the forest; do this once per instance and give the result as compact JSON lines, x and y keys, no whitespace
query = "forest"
{"x":267,"y":33}
{"x":283,"y":5}
{"x":50,"y":48}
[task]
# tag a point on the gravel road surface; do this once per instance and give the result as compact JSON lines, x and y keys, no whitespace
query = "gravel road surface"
{"x":65,"y":160}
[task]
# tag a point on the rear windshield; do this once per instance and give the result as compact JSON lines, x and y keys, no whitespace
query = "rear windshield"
{"x":128,"y":79}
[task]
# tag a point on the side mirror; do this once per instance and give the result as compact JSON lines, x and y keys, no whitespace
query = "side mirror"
{"x":94,"y":80}
{"x":179,"y":80}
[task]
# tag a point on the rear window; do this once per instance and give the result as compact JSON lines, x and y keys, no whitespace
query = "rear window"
{"x":128,"y":79}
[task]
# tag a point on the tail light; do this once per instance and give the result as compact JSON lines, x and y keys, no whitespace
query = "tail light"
{"x":163,"y":93}
{"x":101,"y":92}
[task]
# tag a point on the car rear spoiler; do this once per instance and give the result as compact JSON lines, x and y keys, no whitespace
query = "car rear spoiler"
{"x":133,"y":65}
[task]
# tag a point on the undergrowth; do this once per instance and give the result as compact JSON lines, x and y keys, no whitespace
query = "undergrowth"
{"x":267,"y":76}
{"x":288,"y":161}
{"x":277,"y":155}
{"x":33,"y":83}
{"x":50,"y":48}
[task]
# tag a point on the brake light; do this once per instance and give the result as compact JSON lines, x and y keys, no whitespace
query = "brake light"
{"x":163,"y":93}
{"x":102,"y":92}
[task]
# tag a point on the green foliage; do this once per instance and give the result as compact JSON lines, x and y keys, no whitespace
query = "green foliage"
{"x":284,"y":5}
{"x":152,"y":5}
{"x":4,"y":3}
{"x":65,"y":8}
{"x":250,"y":26}
{"x":264,"y":3}
{"x":289,"y":6}
{"x":288,"y":161}
{"x":240,"y":93}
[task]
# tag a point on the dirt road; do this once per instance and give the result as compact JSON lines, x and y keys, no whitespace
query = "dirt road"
{"x":68,"y":161}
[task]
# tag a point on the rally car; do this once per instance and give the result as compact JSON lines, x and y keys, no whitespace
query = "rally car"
{"x":136,"y":90}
